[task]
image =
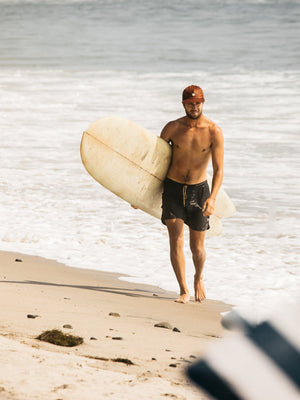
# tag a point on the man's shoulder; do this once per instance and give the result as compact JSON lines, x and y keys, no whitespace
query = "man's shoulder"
{"x":213,"y":127}
{"x":172,"y":126}
{"x":215,"y":132}
{"x":175,"y":122}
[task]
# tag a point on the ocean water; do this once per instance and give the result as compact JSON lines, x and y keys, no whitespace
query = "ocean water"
{"x":66,"y":63}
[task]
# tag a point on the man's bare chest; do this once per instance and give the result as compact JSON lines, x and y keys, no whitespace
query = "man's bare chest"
{"x":191,"y":141}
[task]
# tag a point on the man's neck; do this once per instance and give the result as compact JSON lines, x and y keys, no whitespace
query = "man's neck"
{"x":194,"y":123}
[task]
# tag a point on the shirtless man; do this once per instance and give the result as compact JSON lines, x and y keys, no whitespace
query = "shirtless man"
{"x":186,"y":199}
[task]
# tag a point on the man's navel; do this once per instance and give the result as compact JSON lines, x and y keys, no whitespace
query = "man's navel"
{"x":187,"y":176}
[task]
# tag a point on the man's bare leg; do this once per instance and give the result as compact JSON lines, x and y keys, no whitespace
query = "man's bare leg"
{"x":176,"y":229}
{"x":198,"y":252}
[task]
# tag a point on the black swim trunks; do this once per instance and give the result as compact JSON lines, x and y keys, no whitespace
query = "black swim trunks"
{"x":185,"y":202}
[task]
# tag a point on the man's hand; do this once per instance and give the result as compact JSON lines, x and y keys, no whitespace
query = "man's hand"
{"x":208,"y":207}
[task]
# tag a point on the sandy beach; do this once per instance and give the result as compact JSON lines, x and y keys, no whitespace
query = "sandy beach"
{"x":116,"y":320}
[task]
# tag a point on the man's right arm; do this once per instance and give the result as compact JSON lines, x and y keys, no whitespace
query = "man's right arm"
{"x":166,"y":133}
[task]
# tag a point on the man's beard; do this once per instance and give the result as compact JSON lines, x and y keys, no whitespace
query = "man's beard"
{"x":195,"y":116}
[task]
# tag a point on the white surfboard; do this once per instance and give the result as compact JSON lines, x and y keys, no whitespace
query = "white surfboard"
{"x":132,"y":163}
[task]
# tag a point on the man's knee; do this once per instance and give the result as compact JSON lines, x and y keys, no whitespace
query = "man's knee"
{"x":198,"y":250}
{"x":176,"y":242}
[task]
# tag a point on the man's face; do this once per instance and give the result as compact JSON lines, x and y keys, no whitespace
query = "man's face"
{"x":193,"y":110}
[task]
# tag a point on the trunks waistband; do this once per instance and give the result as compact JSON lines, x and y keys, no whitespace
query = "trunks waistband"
{"x":184,"y":184}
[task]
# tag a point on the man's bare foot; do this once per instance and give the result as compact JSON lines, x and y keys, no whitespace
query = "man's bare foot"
{"x":184,"y":298}
{"x":199,"y":289}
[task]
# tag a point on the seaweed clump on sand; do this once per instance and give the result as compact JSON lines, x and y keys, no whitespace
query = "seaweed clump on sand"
{"x":59,"y":338}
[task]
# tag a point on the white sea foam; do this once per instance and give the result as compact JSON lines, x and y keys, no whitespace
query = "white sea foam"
{"x":51,"y":207}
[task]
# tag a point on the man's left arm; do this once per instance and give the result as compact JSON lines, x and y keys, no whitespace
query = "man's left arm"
{"x":217,"y":153}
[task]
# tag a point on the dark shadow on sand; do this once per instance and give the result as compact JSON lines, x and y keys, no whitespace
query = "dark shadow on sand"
{"x":114,"y":290}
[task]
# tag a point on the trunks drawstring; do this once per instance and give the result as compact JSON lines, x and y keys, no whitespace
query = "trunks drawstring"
{"x":184,"y":189}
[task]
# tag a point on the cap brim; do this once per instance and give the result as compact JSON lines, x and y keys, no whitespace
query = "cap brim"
{"x":194,"y":100}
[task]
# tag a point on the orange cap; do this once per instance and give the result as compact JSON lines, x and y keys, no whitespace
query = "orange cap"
{"x":193,"y":94}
